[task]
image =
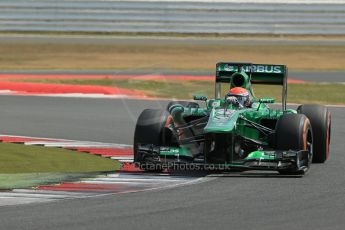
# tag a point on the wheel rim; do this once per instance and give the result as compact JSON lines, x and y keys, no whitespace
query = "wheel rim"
{"x":309,"y":141}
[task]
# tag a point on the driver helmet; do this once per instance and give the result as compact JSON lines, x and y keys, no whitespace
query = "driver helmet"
{"x":241,"y":95}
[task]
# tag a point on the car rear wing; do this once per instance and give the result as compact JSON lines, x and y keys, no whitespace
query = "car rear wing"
{"x":258,"y":74}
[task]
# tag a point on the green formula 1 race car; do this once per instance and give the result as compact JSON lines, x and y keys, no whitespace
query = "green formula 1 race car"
{"x":235,"y":131}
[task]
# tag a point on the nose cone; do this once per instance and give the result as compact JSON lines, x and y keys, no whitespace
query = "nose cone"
{"x":222,"y":121}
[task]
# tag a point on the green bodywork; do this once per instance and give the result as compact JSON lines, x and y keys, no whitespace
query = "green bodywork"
{"x":226,"y":120}
{"x":178,"y":152}
{"x":231,"y":119}
{"x":227,"y":133}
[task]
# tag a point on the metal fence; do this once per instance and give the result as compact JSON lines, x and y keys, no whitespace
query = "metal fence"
{"x":172,"y":16}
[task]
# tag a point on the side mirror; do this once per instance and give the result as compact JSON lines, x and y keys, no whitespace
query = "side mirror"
{"x":266,"y":100}
{"x":200,"y":98}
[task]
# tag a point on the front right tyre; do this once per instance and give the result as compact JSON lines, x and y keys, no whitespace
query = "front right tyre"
{"x":149,"y":130}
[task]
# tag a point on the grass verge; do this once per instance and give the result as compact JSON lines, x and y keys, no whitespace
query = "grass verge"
{"x":26,"y":180}
{"x":16,"y":158}
{"x":27,"y":166}
{"x":160,"y":55}
{"x":297,"y":93}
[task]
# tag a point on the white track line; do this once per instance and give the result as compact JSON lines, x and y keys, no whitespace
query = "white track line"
{"x":133,"y":183}
{"x":125,"y":161}
{"x":67,"y":141}
{"x":130,"y":182}
{"x":80,"y":144}
{"x":137,"y":179}
{"x":44,"y":192}
{"x":42,"y":143}
{"x":28,"y":196}
{"x":123,"y":158}
{"x":63,"y":143}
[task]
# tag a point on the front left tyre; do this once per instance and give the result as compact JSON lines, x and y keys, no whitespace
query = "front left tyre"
{"x":320,"y":119}
{"x":294,"y":132}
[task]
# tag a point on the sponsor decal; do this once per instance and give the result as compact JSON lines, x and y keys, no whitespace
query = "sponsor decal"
{"x":223,"y":116}
{"x":169,"y":150}
{"x":254,"y":68}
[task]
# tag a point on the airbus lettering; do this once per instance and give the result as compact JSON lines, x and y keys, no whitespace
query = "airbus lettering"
{"x":255,"y":68}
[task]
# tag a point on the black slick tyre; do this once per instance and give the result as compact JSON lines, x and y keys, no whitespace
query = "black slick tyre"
{"x":294,"y":132}
{"x":320,"y":119}
{"x":149,"y":130}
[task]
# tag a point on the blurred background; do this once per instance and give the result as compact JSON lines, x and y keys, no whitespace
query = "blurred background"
{"x":164,"y":38}
{"x":85,"y":70}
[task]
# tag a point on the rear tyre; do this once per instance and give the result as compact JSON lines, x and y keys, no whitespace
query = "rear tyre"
{"x":294,"y":132}
{"x":320,"y":119}
{"x":149,"y":130}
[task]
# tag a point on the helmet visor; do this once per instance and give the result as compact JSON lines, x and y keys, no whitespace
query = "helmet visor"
{"x":243,"y":100}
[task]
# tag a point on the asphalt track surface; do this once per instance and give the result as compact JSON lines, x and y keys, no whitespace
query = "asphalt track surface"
{"x":251,"y":201}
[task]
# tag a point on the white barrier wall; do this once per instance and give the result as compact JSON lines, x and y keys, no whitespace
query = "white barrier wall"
{"x":178,"y":16}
